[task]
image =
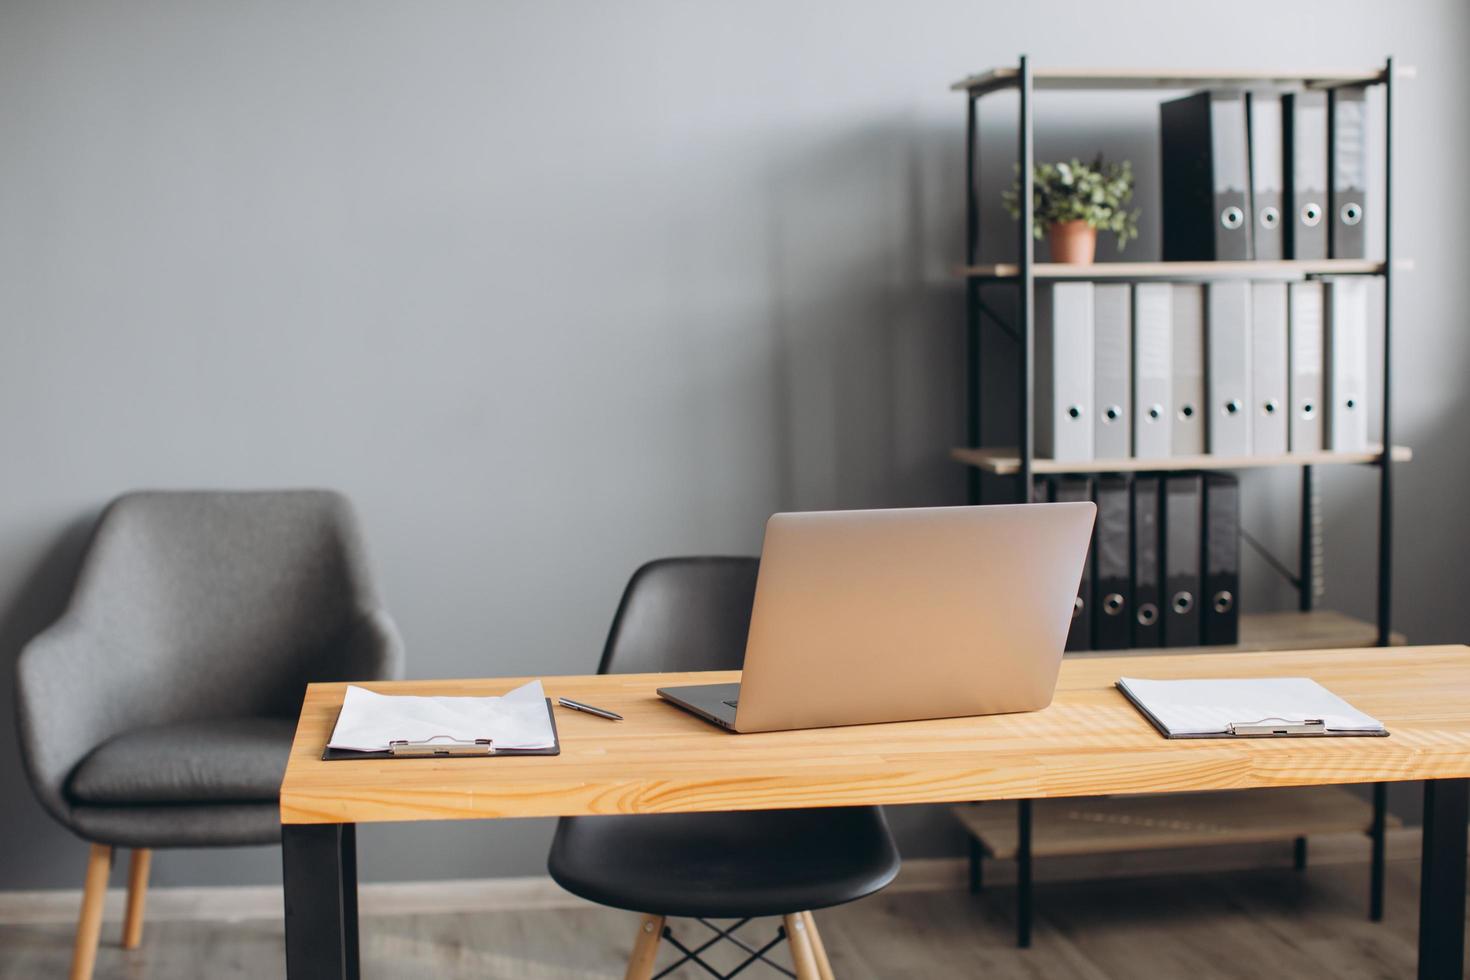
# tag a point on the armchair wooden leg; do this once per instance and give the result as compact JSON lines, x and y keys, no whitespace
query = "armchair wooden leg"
{"x":645,"y":948}
{"x":819,"y":949}
{"x":89,"y":923}
{"x":799,"y":939}
{"x":137,"y":897}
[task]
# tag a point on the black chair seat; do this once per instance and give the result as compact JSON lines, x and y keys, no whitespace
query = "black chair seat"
{"x":725,"y":865}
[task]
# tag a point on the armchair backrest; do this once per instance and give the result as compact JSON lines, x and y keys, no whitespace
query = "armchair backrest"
{"x":192,"y":605}
{"x":683,"y":614}
{"x":224,"y":602}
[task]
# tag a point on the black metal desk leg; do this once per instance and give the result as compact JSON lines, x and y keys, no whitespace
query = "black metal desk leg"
{"x":1023,"y":875}
{"x":1442,"y":880}
{"x":1379,"y":837}
{"x":977,"y":867}
{"x":319,"y":871}
{"x":351,"y":944}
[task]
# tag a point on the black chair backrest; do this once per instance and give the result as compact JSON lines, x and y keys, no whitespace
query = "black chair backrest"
{"x":682,"y":614}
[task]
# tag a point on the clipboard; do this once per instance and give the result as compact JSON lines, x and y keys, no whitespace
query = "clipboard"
{"x":480,"y":749}
{"x":1254,"y":727}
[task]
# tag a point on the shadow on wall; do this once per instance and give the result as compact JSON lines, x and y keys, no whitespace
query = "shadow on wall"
{"x":867,"y":319}
{"x":39,"y":601}
{"x":868,"y":348}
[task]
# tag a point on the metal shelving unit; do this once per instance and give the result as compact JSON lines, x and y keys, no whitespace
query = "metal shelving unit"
{"x":1019,"y":459}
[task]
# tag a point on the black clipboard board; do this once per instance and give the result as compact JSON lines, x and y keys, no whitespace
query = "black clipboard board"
{"x":332,"y":755}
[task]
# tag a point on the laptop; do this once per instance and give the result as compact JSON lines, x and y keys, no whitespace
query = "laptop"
{"x":899,"y":615}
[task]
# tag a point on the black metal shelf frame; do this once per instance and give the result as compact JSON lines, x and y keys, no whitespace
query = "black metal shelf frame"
{"x":1023,"y":331}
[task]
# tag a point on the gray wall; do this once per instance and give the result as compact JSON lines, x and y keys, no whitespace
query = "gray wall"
{"x":550,"y":289}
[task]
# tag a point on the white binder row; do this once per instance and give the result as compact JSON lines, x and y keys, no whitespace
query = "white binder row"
{"x":1232,"y":368}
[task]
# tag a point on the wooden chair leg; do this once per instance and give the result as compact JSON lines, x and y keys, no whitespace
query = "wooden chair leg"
{"x":645,"y":948}
{"x":137,"y":897}
{"x":89,"y":923}
{"x":819,"y":949}
{"x":799,"y":939}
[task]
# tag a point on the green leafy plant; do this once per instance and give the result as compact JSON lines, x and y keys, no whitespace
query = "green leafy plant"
{"x":1097,"y":193}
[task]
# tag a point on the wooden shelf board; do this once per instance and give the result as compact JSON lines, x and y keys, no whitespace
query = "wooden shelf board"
{"x":1082,"y":79}
{"x":1320,"y":629}
{"x":1141,"y":823}
{"x":1005,"y":462}
{"x":1276,"y":269}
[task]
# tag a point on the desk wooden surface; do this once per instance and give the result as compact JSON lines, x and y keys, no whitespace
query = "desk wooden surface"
{"x":1089,"y":742}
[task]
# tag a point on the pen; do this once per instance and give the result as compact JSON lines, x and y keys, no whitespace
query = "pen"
{"x":579,"y":706}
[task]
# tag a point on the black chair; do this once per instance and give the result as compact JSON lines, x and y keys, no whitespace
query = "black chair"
{"x":693,"y":614}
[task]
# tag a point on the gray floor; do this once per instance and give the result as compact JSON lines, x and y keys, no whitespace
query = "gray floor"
{"x":1269,"y":923}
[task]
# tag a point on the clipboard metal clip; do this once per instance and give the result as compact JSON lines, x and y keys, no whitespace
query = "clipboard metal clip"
{"x":1279,"y":726}
{"x":441,"y":745}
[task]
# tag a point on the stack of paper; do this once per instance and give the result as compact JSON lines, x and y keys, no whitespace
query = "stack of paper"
{"x":1182,"y":709}
{"x":369,"y":721}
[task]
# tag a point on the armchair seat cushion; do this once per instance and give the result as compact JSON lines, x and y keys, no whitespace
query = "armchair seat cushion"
{"x":226,"y":760}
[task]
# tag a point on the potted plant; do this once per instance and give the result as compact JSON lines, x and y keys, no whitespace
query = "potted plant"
{"x":1072,"y":200}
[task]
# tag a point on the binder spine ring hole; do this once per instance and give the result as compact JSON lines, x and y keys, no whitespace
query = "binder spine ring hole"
{"x":1224,"y":601}
{"x":1351,"y":213}
{"x":1183,"y":602}
{"x":1270,"y":407}
{"x":1312,"y":215}
{"x":1147,"y":614}
{"x":1351,"y":403}
{"x":1233,"y":406}
{"x":1077,"y":606}
{"x":1308,"y":410}
{"x":1156,"y":412}
{"x":1270,"y":218}
{"x":1113,"y":413}
{"x":1113,"y":604}
{"x":1186,"y":411}
{"x":1074,"y":411}
{"x":1232,"y":217}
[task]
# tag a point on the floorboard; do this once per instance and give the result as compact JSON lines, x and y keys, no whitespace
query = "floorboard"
{"x":1273,"y":922}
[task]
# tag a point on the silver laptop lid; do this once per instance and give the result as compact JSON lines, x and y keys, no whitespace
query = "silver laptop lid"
{"x":896,"y":615}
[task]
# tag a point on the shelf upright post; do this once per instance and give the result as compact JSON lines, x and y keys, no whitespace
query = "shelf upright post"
{"x":1385,"y":465}
{"x":972,"y":173}
{"x":1026,"y":284}
{"x":1385,"y":490}
{"x":975,"y":487}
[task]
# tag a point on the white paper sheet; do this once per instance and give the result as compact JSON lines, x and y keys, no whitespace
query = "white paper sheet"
{"x":1210,"y":707}
{"x":369,"y":721}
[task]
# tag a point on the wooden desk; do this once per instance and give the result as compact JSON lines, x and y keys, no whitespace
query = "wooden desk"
{"x":1090,"y":742}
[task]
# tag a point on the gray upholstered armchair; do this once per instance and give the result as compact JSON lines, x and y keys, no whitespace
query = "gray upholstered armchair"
{"x":158,"y":711}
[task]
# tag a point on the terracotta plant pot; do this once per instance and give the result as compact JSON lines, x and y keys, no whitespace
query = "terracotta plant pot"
{"x":1073,"y":242}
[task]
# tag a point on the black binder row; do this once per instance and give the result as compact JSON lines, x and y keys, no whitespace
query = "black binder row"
{"x":1164,"y":568}
{"x":1260,"y":175}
